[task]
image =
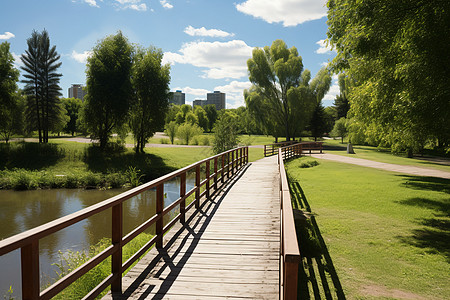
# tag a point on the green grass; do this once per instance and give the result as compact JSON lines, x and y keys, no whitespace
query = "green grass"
{"x":387,"y":234}
{"x":385,"y":156}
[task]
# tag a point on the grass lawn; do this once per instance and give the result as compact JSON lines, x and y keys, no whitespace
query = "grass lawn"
{"x":387,"y":234}
{"x":385,"y":156}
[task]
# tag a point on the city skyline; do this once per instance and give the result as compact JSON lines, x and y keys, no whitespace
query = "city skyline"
{"x":207,"y":43}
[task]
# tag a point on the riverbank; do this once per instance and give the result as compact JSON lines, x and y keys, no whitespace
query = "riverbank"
{"x":70,"y":164}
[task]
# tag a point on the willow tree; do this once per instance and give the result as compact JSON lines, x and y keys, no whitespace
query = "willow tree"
{"x":396,"y":56}
{"x":109,"y":89}
{"x":281,"y":98}
{"x":151,"y":84}
{"x":40,"y":63}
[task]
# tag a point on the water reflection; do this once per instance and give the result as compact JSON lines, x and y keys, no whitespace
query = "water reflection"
{"x":20,"y":211}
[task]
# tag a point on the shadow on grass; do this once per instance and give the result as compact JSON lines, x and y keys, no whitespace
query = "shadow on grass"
{"x":119,"y":160}
{"x":317,"y":275}
{"x":29,"y":156}
{"x":434,"y":237}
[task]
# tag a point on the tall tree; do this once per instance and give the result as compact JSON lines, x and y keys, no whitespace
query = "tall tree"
{"x":318,"y":124}
{"x":10,"y":108}
{"x":341,"y":102}
{"x":202,"y":117}
{"x":109,"y":89}
{"x":41,"y":63}
{"x":281,"y":97}
{"x":151,"y":83}
{"x":396,"y":56}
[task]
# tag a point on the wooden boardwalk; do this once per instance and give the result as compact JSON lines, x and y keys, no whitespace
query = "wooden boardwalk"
{"x":229,"y":249}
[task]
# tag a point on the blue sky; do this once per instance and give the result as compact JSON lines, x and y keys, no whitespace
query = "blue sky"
{"x":207,"y":42}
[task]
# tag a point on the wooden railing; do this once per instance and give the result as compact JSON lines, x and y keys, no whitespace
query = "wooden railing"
{"x":218,"y":169}
{"x":272,"y":149}
{"x":290,"y":253}
{"x":310,"y":146}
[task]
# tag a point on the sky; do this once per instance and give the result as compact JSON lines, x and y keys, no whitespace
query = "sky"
{"x":207,"y":42}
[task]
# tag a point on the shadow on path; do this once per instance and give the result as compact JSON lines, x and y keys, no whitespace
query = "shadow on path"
{"x":317,"y":276}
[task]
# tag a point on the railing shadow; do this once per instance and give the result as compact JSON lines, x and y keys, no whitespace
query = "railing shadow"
{"x":317,"y":276}
{"x":175,"y":253}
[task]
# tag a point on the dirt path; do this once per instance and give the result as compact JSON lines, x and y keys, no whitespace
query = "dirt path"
{"x":384,"y":166}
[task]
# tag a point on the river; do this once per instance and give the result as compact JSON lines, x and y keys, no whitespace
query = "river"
{"x":23,"y":210}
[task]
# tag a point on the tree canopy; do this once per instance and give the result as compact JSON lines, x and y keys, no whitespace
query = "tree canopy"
{"x":282,"y":98}
{"x":109,"y":89}
{"x":396,"y":56}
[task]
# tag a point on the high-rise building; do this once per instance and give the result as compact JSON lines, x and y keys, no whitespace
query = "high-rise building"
{"x":200,"y":102}
{"x":177,"y":98}
{"x":217,"y":98}
{"x":77,"y":91}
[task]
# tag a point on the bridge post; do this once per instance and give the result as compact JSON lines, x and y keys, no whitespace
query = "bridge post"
{"x":232,"y":162}
{"x":207,"y":178}
{"x":30,"y":270}
{"x":159,"y":210}
{"x":223,"y":169}
{"x":197,"y":184}
{"x":116,"y":257}
{"x":182,"y":194}
{"x":215,"y":173}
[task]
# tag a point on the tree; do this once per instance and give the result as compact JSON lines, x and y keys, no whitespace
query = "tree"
{"x":211,"y":113}
{"x":171,"y":130}
{"x":281,"y":93}
{"x":180,"y":117}
{"x":109,"y":89}
{"x":318,"y":123}
{"x":151,"y":83}
{"x":73,"y":107}
{"x":341,"y":102}
{"x":340,"y":129}
{"x":395,"y":55}
{"x":187,"y":131}
{"x":201,"y":117}
{"x":10,"y":105}
{"x":172,"y":112}
{"x":226,"y":132}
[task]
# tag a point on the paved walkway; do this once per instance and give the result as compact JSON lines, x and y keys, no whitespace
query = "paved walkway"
{"x":384,"y":166}
{"x":229,"y":250}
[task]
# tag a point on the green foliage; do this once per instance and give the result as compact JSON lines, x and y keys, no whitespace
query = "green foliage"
{"x":340,"y":129}
{"x":109,"y":89}
{"x":12,"y":117}
{"x":44,"y":109}
{"x":187,"y":131}
{"x":202,"y":117}
{"x":394,"y":55}
{"x":211,"y":114}
{"x":134,"y":176}
{"x":151,"y":84}
{"x":73,"y":108}
{"x":281,"y":99}
{"x":318,"y":124}
{"x":171,"y":130}
{"x":226,"y":133}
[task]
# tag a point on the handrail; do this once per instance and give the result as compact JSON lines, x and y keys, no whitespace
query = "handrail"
{"x":272,"y":149}
{"x":289,"y":250}
{"x":28,"y":241}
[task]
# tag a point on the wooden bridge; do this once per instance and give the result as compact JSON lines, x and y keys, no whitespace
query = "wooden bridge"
{"x":234,"y":237}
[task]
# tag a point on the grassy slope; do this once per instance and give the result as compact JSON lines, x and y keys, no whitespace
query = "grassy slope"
{"x":384,"y":231}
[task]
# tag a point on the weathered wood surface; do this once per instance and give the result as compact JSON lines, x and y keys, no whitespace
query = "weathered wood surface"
{"x":230,"y":249}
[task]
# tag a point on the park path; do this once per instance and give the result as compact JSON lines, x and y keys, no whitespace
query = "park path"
{"x":229,"y":249}
{"x":384,"y":166}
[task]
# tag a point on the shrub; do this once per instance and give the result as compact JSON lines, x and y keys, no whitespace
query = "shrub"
{"x":164,"y":141}
{"x":187,"y":131}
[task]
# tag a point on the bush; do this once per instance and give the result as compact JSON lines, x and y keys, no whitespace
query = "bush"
{"x":309,"y":164}
{"x":164,"y":141}
{"x":205,"y":140}
{"x":187,"y":131}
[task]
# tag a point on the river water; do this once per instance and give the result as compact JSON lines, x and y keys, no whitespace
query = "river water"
{"x":20,"y":211}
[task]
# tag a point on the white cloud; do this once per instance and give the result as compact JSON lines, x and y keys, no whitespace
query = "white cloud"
{"x":334,"y":90}
{"x":6,"y":36}
{"x":221,"y":59}
{"x":131,"y":4}
{"x":288,"y":12}
{"x":323,"y":48}
{"x":140,"y":7}
{"x":193,"y":91}
{"x":17,"y":61}
{"x":166,"y":4}
{"x":206,"y":32}
{"x":92,"y":3}
{"x":234,"y":92}
{"x":80,"y":57}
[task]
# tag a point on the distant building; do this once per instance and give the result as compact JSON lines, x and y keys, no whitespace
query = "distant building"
{"x":199,"y":102}
{"x":177,"y":98}
{"x":217,"y":98}
{"x":77,"y":91}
